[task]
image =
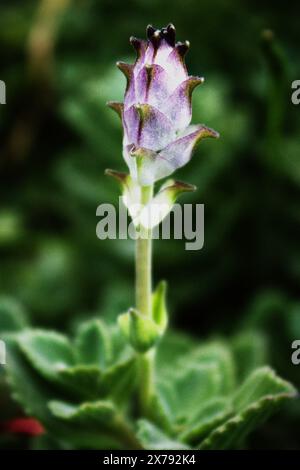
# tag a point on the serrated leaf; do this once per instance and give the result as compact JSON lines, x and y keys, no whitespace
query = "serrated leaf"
{"x":85,"y":381}
{"x":85,"y":414}
{"x":171,"y":349}
{"x":48,"y":352}
{"x":215,"y":353}
{"x":258,"y":397}
{"x":154,"y":438}
{"x":12,"y":315}
{"x":262,"y":382}
{"x":93,"y":344}
{"x":96,"y":415}
{"x":119,"y":380}
{"x":208,"y":417}
{"x":189,"y":389}
{"x":33,"y":394}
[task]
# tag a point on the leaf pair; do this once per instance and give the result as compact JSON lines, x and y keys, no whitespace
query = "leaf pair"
{"x":141,"y":331}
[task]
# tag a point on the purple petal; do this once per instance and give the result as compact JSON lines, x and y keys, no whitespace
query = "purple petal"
{"x":175,"y":66}
{"x":147,"y":127}
{"x":152,"y":85}
{"x":174,"y":156}
{"x":178,"y":107}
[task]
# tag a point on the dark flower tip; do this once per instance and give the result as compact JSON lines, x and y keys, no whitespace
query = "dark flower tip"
{"x":155,"y":35}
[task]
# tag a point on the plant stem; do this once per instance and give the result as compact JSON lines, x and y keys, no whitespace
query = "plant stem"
{"x":144,"y":304}
{"x":144,"y":261}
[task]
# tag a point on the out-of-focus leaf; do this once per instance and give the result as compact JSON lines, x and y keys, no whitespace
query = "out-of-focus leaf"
{"x":12,"y":315}
{"x":256,"y":399}
{"x":47,"y":351}
{"x":93,"y":345}
{"x":153,"y":438}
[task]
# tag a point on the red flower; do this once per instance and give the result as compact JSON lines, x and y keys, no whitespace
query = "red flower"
{"x":29,"y":426}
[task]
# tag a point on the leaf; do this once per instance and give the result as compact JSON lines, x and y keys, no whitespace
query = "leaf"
{"x":171,"y":349}
{"x":141,"y":331}
{"x":48,"y":352}
{"x":83,"y":380}
{"x":12,"y":315}
{"x":153,"y":438}
{"x":85,"y":414}
{"x":209,"y":416}
{"x":216,"y":353}
{"x":190,"y":388}
{"x":262,"y":382}
{"x":34,"y":394}
{"x":94,"y":416}
{"x":119,"y":380}
{"x":90,"y":382}
{"x":258,"y":397}
{"x":93,"y":344}
{"x":159,"y":308}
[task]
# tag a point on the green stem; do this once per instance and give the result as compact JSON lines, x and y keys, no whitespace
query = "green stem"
{"x":144,"y":262}
{"x":144,"y":304}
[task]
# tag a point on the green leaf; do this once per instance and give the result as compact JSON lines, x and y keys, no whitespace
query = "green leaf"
{"x":171,"y":349}
{"x":258,"y":397}
{"x":141,"y":331}
{"x":34,"y":394}
{"x":262,"y":382}
{"x":93,"y":344}
{"x":90,"y":382}
{"x":119,"y":380}
{"x":159,"y":308}
{"x":12,"y":315}
{"x":215,"y":353}
{"x":85,"y":381}
{"x":85,"y":414}
{"x":48,"y":352}
{"x":208,"y":417}
{"x":190,"y":388}
{"x":94,"y":416}
{"x":154,"y":438}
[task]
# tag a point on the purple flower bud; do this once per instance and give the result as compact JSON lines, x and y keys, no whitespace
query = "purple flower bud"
{"x":157,"y":109}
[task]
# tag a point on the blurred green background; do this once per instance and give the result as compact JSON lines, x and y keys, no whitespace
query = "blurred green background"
{"x":57,"y":58}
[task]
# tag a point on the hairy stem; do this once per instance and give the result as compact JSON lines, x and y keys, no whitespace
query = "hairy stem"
{"x":144,"y":305}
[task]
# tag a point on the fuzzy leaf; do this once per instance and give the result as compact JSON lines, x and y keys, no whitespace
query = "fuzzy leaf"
{"x":92,"y":343}
{"x":257,"y":398}
{"x":34,"y":394}
{"x":48,"y":352}
{"x":85,"y":381}
{"x":154,"y":439}
{"x":209,"y":416}
{"x":85,"y":414}
{"x":218,"y":354}
{"x":188,"y":388}
{"x":141,"y":331}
